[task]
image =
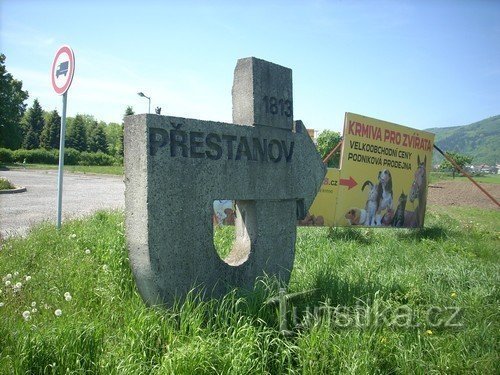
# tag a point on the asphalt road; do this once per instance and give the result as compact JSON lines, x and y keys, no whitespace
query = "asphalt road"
{"x":82,"y":195}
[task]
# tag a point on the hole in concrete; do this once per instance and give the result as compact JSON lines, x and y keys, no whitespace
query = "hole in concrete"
{"x":234,"y":224}
{"x":223,"y":216}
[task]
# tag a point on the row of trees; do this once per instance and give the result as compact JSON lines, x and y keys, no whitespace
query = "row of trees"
{"x":42,"y":129}
{"x":35,"y":128}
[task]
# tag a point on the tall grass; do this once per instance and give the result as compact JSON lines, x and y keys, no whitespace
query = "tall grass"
{"x":358,"y":302}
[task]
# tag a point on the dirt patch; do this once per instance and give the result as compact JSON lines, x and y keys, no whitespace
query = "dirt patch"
{"x":462,"y":193}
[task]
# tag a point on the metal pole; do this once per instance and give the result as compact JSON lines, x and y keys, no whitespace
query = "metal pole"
{"x":466,"y":175}
{"x":149,"y":107}
{"x":61,"y":162}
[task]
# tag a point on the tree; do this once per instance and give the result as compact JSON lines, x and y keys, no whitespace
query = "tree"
{"x":88,"y":122}
{"x":30,"y":140}
{"x":129,"y":111}
{"x":55,"y":129}
{"x":97,"y":138}
{"x":44,"y":137}
{"x":460,"y":159}
{"x":114,"y":133}
{"x":51,"y":131}
{"x":76,"y":136}
{"x":33,"y":125}
{"x":12,"y":108}
{"x":327,"y":140}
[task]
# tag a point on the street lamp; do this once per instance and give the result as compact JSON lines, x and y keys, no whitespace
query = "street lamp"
{"x":141,"y":94}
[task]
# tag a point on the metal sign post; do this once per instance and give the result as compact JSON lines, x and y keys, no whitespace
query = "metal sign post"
{"x":61,"y":161}
{"x":63,"y":69}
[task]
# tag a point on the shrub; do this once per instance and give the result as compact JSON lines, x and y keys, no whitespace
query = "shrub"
{"x":5,"y":184}
{"x":95,"y":158}
{"x":6,"y":155}
{"x":20,"y":155}
{"x":71,"y":156}
{"x":118,"y":160}
{"x":38,"y":155}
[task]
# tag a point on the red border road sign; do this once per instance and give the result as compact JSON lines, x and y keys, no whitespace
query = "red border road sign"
{"x":65,"y":69}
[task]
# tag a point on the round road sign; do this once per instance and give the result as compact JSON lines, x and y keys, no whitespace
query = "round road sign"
{"x":63,"y":69}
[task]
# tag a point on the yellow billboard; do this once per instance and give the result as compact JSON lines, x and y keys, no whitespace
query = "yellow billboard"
{"x":322,"y":211}
{"x":382,"y":181}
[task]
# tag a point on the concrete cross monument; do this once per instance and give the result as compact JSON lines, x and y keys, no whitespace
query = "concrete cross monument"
{"x":176,"y":167}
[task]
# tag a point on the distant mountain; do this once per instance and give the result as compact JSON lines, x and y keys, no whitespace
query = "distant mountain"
{"x":480,"y":140}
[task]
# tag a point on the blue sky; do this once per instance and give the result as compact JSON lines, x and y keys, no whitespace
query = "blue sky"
{"x":417,"y":63}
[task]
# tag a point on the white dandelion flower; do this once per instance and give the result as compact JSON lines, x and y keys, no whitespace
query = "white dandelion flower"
{"x":72,"y":235}
{"x":17,"y":287}
{"x":33,"y":304}
{"x":58,"y":312}
{"x":1,"y":304}
{"x":87,"y":251}
{"x":7,"y":283}
{"x":16,"y":274}
{"x":34,"y":310}
{"x":68,"y":298}
{"x":27,"y":278}
{"x":26,"y":315}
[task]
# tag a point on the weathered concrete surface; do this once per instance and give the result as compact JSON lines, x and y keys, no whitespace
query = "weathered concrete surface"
{"x":82,"y":195}
{"x":262,"y":94}
{"x":175,"y":168}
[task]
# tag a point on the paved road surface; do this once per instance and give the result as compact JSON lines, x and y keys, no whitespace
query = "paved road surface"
{"x":83,"y":195}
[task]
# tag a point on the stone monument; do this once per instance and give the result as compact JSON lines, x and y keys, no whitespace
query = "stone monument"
{"x":176,"y":167}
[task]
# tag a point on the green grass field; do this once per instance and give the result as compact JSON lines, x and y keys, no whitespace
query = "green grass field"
{"x":368,"y":301}
{"x":446,"y":176}
{"x":94,"y":169}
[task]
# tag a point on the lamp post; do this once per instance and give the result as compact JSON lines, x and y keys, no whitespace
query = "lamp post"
{"x":141,"y":94}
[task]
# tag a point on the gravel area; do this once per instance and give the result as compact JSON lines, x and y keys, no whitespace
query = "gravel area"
{"x":83,"y":194}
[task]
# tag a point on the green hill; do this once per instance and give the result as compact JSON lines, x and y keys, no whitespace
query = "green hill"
{"x":480,"y":140}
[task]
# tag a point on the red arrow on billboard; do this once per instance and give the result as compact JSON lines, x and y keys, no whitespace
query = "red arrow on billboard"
{"x":348,"y":182}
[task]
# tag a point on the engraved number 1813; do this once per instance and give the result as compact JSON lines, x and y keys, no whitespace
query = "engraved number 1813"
{"x":276,"y":106}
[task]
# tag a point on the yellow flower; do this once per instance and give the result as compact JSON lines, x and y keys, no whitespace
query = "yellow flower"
{"x":429,"y":332}
{"x":453,"y":295}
